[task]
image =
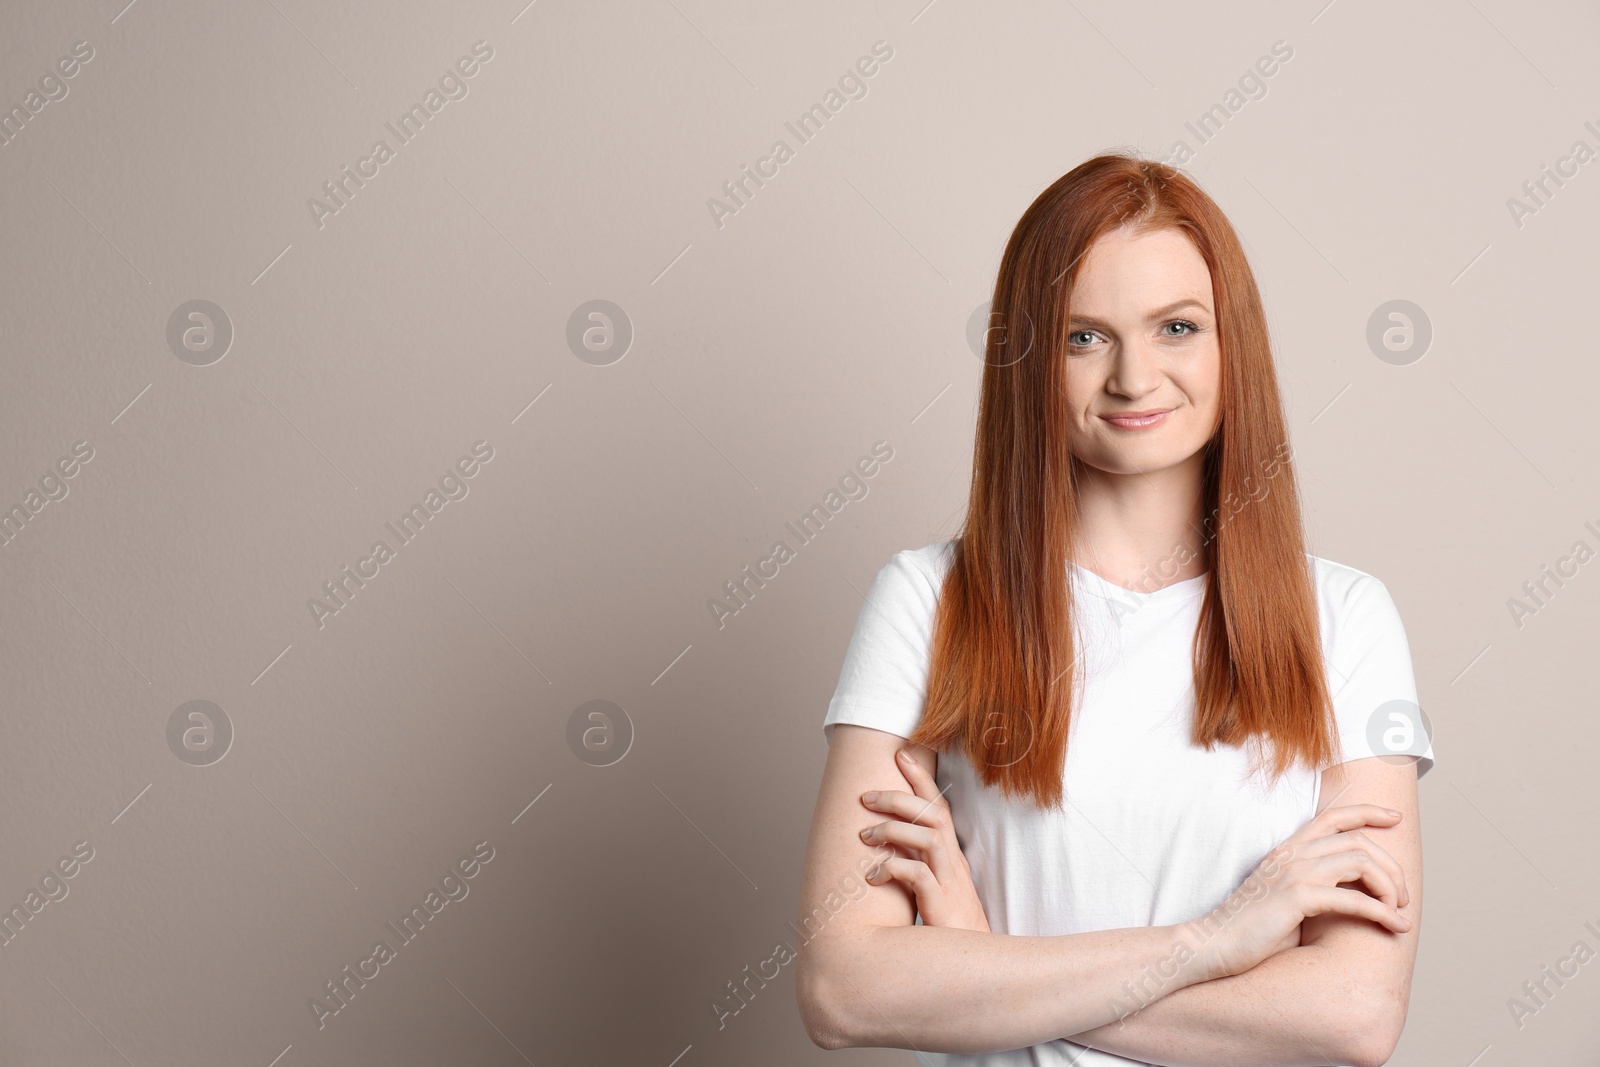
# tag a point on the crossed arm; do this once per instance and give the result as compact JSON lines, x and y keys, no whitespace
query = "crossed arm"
{"x":1346,"y":988}
{"x":873,"y":979}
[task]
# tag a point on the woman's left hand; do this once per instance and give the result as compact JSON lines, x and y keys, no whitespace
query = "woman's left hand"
{"x":937,"y":872}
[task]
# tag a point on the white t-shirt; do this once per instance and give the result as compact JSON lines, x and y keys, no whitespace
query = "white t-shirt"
{"x":1154,"y":830}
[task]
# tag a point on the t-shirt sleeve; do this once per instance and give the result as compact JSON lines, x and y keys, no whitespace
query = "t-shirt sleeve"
{"x":883,"y":683}
{"x":1374,"y":688}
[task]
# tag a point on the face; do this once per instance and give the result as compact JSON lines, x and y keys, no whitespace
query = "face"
{"x":1142,"y":338}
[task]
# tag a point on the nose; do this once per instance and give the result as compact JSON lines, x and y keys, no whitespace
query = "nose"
{"x":1135,"y":370}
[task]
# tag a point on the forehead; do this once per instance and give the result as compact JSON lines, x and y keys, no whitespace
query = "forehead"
{"x":1125,"y":274}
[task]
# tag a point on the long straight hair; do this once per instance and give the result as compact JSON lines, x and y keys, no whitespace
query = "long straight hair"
{"x":1004,"y":662}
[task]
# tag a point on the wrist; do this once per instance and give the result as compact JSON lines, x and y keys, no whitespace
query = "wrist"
{"x":1199,"y":946}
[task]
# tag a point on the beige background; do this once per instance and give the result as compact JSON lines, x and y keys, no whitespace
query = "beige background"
{"x":769,"y":355}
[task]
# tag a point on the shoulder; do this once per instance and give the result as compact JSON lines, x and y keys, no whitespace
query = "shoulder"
{"x":929,"y":564}
{"x":1370,"y":673}
{"x":904,"y":594}
{"x":1359,"y":620}
{"x":1348,"y":596}
{"x":883,"y":681}
{"x":1339,"y":582}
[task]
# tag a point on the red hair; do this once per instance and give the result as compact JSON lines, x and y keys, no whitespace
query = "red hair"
{"x":1002,"y":671}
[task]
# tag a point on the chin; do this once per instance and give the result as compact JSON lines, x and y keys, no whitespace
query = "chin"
{"x":1139,"y":461}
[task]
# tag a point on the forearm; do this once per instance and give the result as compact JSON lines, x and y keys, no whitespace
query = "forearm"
{"x":945,"y":989}
{"x":1291,"y":1009}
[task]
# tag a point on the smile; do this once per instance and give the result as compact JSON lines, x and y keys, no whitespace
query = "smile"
{"x":1137,"y":420}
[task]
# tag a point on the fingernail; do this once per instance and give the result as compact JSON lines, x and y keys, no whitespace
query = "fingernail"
{"x":1405,"y":922}
{"x":869,"y":797}
{"x":905,"y":757}
{"x":866,"y":835}
{"x":872,"y":875}
{"x":1391,"y":811}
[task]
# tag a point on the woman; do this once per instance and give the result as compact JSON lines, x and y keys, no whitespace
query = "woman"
{"x":1160,"y":804}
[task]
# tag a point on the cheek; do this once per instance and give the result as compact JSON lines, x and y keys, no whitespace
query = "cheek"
{"x":1079,"y":385}
{"x":1207,"y":396}
{"x":1204,"y":382}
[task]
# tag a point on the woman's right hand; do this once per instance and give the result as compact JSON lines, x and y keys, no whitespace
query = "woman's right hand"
{"x":1301,"y":878}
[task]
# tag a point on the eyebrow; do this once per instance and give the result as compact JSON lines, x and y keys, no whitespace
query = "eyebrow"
{"x":1158,"y":313}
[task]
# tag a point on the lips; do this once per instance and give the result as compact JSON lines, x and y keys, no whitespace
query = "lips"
{"x":1134,"y":420}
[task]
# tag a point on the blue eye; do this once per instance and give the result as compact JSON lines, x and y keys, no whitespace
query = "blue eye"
{"x":1088,"y":336}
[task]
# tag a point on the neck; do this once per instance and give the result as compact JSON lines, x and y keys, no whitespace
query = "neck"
{"x":1142,"y":530}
